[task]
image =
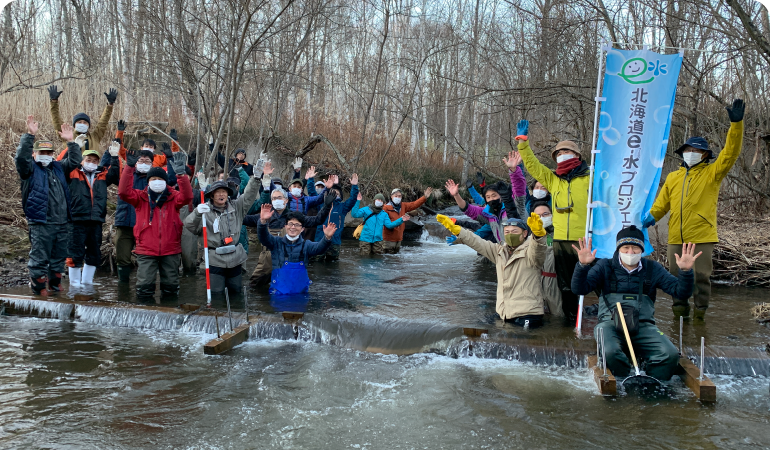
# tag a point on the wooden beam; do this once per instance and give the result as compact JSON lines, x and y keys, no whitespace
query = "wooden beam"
{"x":474,"y":332}
{"x":228,"y":340}
{"x":189,"y":307}
{"x":606,"y":384}
{"x":290,"y":316}
{"x":704,"y":389}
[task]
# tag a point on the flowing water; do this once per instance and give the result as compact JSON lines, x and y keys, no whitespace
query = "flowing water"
{"x":378,"y":361}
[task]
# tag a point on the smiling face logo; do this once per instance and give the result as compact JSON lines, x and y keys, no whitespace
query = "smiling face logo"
{"x":634,"y":71}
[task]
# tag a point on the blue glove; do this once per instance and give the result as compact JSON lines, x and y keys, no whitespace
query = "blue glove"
{"x":648,"y":220}
{"x":522,"y":128}
{"x":450,"y":240}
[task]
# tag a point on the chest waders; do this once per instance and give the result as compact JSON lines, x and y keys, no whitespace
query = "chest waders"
{"x":290,"y":278}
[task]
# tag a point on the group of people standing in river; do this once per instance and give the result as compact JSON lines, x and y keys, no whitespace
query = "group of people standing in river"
{"x":533,"y":234}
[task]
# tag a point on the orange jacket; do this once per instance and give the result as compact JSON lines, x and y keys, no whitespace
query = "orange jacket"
{"x":397,"y":234}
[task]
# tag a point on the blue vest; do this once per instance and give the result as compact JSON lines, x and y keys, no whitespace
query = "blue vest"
{"x":36,"y":198}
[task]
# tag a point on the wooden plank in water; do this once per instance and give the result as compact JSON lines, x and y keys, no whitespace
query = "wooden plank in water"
{"x":289,"y":315}
{"x":704,"y":389}
{"x":607,"y":385}
{"x":228,"y":340}
{"x":189,"y":307}
{"x":474,"y":332}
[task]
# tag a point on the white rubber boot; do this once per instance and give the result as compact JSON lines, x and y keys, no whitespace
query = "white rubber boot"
{"x":75,"y":275}
{"x":88,"y":274}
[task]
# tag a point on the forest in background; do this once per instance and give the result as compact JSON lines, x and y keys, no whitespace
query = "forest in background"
{"x":408,"y":92}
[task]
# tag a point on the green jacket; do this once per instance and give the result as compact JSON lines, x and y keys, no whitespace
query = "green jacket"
{"x":95,"y":132}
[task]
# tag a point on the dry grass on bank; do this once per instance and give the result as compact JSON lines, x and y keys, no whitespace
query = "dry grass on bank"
{"x":742,"y":255}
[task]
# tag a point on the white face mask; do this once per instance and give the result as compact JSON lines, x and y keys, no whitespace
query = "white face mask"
{"x":279,"y":204}
{"x":296,"y":192}
{"x":692,"y":158}
{"x":396,"y":200}
{"x":81,"y":128}
{"x":157,"y":186}
{"x":565,"y":157}
{"x":143,"y":168}
{"x":378,"y":203}
{"x":45,"y":160}
{"x":89,"y":167}
{"x":539,"y":193}
{"x":292,"y":239}
{"x":547,"y":221}
{"x":631,"y":259}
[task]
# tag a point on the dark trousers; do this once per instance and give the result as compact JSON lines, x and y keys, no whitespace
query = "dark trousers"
{"x":222,"y":278}
{"x":332,"y":254}
{"x":703,"y":268}
{"x":86,"y":243}
{"x":48,"y":250}
{"x":565,"y":259}
{"x":532,"y":321}
{"x":124,"y":244}
{"x":649,"y":344}
{"x":148,"y":269}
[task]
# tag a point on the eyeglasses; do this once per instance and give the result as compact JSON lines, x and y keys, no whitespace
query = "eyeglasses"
{"x":293,"y":225}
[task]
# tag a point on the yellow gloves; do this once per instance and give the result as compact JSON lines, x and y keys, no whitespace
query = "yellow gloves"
{"x":454,"y":229}
{"x":535,"y":224}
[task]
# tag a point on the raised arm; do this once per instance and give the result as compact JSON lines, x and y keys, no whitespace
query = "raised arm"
{"x":729,"y":155}
{"x":24,"y":160}
{"x":267,"y":239}
{"x":126,"y":190}
{"x":586,"y":278}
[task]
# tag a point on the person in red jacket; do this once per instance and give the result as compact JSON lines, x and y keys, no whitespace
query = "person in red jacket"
{"x":395,"y":209}
{"x":158,"y":229}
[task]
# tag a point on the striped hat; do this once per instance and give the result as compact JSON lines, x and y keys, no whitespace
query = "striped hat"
{"x":630,"y":236}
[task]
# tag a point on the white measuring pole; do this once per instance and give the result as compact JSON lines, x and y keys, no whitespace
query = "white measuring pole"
{"x":589,"y":206}
{"x":702,"y":355}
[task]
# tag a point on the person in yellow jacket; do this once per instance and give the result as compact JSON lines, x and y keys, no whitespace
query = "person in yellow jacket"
{"x":86,"y":136}
{"x":691,"y":195}
{"x":519,"y":261}
{"x":568,"y":186}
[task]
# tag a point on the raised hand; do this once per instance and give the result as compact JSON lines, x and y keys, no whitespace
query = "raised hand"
{"x":268,"y":169}
{"x":166,"y":149}
{"x":81,"y":140}
{"x":54,"y":92}
{"x":263,"y":156}
{"x":121,"y":125}
{"x":329,"y":182}
{"x":480,"y":180}
{"x":354,"y":179}
{"x":428,"y":191}
{"x":406,"y":217}
{"x":266,"y":212}
{"x":111,"y":96}
{"x":449,"y":224}
{"x":191,"y":159}
{"x":114,"y":148}
{"x":535,"y":223}
{"x":66,"y":132}
{"x":687,"y":260}
{"x":203,"y":182}
{"x":132,"y":157}
{"x":585,"y":255}
{"x":173,"y":134}
{"x":32,"y":126}
{"x":736,"y":111}
{"x":310,"y":173}
{"x":178,"y":161}
{"x":360,"y":197}
{"x":514,"y":159}
{"x":297,"y":163}
{"x":452,"y":187}
{"x":522,"y":130}
{"x":329,"y":230}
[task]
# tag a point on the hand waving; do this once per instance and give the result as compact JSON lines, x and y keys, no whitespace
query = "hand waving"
{"x":522,"y":130}
{"x":54,"y":92}
{"x":354,"y":179}
{"x":66,"y":132}
{"x":329,"y":230}
{"x":428,"y":191}
{"x":32,"y":126}
{"x":310,"y":173}
{"x":452,"y":187}
{"x":585,"y":255}
{"x":687,"y":260}
{"x":736,"y":111}
{"x":514,"y":159}
{"x":268,"y":169}
{"x":266,"y":212}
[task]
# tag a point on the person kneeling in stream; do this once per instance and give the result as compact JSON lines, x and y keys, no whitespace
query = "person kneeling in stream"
{"x":290,"y":253}
{"x":633,"y":281}
{"x":519,"y":264}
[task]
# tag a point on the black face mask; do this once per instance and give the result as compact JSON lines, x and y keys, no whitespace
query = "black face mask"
{"x":495,"y":205}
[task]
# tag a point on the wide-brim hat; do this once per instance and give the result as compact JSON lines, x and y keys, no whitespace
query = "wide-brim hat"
{"x":697,"y":143}
{"x":218,"y":185}
{"x":566,"y":145}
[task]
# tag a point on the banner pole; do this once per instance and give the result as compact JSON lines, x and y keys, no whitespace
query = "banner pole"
{"x":589,"y":207}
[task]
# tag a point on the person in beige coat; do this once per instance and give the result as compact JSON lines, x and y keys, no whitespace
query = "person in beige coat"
{"x":519,"y":262}
{"x":550,"y":285}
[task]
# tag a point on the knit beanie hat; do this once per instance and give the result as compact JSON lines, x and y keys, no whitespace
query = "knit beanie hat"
{"x":338,"y":188}
{"x":81,"y":116}
{"x":157,"y":172}
{"x":630,"y":236}
{"x":380,"y":197}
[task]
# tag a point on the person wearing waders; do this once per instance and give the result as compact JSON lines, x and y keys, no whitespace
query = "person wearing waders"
{"x":45,"y":198}
{"x":499,"y":202}
{"x":568,"y":186}
{"x":691,"y":194}
{"x":86,"y":136}
{"x":519,"y":264}
{"x":550,"y":286}
{"x":224,"y":219}
{"x":392,"y":237}
{"x":276,"y":226}
{"x":375,"y":219}
{"x":158,"y":229}
{"x":291,"y":253}
{"x":633,"y":281}
{"x":88,"y":192}
{"x":340,"y":209}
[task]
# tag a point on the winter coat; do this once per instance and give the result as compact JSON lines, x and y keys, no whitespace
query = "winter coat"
{"x":95,"y":132}
{"x":230,"y":224}
{"x":588,"y":278}
{"x":41,"y":200}
{"x":550,"y":284}
{"x":162,"y":235}
{"x":125,"y":215}
{"x":397,"y":234}
{"x":691,"y":194}
{"x":372,"y":231}
{"x":297,"y":251}
{"x":519,"y":273}
{"x":157,"y":160}
{"x":278,"y":220}
{"x":305,"y":202}
{"x":568,"y":190}
{"x":339,"y":210}
{"x":89,"y":193}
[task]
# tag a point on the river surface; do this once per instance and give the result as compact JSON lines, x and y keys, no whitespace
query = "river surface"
{"x":89,"y":384}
